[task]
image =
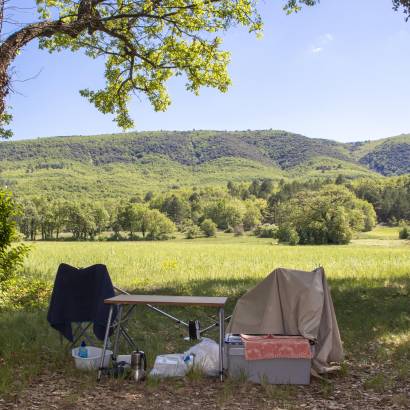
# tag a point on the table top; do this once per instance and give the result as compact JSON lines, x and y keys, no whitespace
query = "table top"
{"x":214,"y":301}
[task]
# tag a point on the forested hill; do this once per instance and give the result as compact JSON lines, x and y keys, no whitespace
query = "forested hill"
{"x":278,"y":148}
{"x":162,"y":159}
{"x":389,"y":156}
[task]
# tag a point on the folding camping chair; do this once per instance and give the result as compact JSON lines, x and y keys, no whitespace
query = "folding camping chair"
{"x":77,"y":302}
{"x":81,"y":330}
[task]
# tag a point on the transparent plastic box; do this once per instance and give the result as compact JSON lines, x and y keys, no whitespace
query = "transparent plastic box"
{"x":92,"y":362}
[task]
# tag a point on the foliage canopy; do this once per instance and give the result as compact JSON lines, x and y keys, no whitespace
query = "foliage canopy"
{"x":144,"y":43}
{"x":11,"y":257}
{"x":330,"y":215}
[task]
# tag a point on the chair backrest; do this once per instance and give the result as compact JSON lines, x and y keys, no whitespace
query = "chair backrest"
{"x":78,"y":296}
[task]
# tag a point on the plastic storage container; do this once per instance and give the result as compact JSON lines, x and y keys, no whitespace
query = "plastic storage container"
{"x":124,"y":358}
{"x":92,"y":362}
{"x":169,"y":365}
{"x":271,"y":371}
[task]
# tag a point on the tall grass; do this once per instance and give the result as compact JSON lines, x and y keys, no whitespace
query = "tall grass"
{"x":149,"y":265}
{"x":381,"y":232}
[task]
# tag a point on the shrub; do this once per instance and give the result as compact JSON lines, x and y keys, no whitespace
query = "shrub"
{"x":225,"y":213}
{"x":115,"y":236}
{"x":288,"y":234}
{"x":11,"y":257}
{"x":404,"y":232}
{"x":192,"y":232}
{"x":334,"y":229}
{"x":24,"y":293}
{"x":293,"y":237}
{"x":184,"y":225}
{"x":370,"y":218}
{"x":238,"y":230}
{"x":331,"y":216}
{"x":266,"y":231}
{"x":158,"y":226}
{"x":251,"y":218}
{"x":208,"y":227}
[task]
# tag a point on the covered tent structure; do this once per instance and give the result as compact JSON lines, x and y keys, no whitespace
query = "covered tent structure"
{"x":292,"y":302}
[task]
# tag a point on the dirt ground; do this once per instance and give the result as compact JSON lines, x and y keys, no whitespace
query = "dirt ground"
{"x":350,"y":390}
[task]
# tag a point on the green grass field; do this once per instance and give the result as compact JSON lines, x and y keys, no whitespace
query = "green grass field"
{"x":370,"y":282}
{"x":381,"y":232}
{"x":181,"y":264}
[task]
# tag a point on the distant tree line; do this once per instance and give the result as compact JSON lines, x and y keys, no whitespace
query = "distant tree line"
{"x":390,"y":197}
{"x":305,"y":212}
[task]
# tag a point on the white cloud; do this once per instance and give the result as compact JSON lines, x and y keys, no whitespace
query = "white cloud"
{"x":328,"y":37}
{"x":321,"y":43}
{"x":316,"y":49}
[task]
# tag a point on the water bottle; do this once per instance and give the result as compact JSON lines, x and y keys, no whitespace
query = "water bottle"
{"x":82,"y":351}
{"x":189,"y":360}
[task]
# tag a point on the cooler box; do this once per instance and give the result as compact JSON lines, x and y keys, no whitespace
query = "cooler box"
{"x":269,"y":359}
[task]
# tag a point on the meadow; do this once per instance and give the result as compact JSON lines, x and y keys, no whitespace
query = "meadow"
{"x":180,"y":264}
{"x":369,"y":278}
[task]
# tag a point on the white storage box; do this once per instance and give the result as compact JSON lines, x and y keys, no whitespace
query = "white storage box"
{"x":92,"y":362}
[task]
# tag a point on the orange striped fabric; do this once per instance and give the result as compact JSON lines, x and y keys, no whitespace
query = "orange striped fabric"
{"x":276,"y":347}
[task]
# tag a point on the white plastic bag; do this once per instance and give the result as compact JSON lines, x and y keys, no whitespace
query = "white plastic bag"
{"x":206,"y":355}
{"x":169,"y":365}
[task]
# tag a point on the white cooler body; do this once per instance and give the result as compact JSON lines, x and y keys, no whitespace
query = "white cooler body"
{"x":271,"y":371}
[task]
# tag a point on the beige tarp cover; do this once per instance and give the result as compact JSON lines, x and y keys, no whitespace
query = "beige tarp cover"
{"x":291,"y":302}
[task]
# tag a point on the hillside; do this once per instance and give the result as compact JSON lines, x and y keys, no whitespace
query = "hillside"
{"x":126,"y":164}
{"x":389,"y":156}
{"x":277,"y":148}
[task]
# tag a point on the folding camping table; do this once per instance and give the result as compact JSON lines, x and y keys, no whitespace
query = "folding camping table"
{"x":151,"y":301}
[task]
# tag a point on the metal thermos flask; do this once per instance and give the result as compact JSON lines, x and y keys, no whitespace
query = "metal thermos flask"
{"x":138,"y":365}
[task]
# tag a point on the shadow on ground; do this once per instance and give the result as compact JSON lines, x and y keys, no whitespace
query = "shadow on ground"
{"x":373,"y":317}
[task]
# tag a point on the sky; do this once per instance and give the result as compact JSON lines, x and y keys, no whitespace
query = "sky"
{"x":339,"y":70}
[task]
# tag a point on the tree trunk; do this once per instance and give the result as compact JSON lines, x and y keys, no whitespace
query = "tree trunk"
{"x":1,"y":15}
{"x":9,"y":49}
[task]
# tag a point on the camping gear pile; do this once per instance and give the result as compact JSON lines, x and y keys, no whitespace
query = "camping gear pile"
{"x":280,"y":332}
{"x":291,"y":303}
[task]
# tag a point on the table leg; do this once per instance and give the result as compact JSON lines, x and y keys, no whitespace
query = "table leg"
{"x":221,"y":315}
{"x":117,"y":335}
{"x":107,"y":332}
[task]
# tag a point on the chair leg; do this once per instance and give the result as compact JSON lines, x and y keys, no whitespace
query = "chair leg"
{"x":120,"y":323}
{"x":117,"y":334}
{"x":83,"y":329}
{"x":107,"y":332}
{"x":128,"y":339}
{"x":221,"y":314}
